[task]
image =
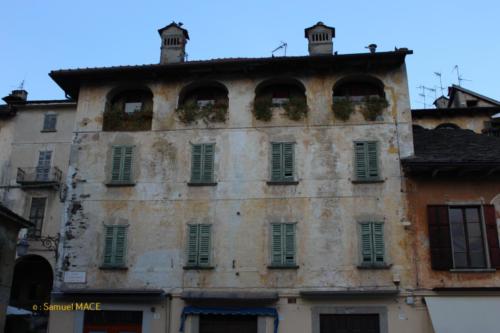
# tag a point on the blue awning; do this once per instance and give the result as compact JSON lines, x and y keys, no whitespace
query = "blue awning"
{"x":196,"y":310}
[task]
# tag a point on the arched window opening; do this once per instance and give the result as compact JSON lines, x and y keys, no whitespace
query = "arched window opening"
{"x":208,"y":101}
{"x":129,"y":110}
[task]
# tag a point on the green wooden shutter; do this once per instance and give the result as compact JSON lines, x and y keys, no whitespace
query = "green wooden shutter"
{"x":196,"y":163}
{"x":289,"y":238}
{"x":366,"y":160}
{"x":108,"y":245}
{"x":116,"y":163}
{"x":366,"y":243}
{"x":208,"y":163}
{"x":372,"y":159}
{"x":276,"y":169}
{"x":276,"y":245}
{"x":378,"y":243}
{"x":126,"y":170}
{"x":287,"y":161}
{"x":204,"y":244}
{"x":360,"y":160}
{"x":115,"y":244}
{"x":192,"y":245}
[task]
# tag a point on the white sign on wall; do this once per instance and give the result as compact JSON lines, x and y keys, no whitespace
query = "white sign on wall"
{"x":75,"y":277}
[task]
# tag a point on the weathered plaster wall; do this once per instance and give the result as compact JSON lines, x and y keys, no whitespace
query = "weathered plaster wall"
{"x":436,"y":191}
{"x":27,"y":141}
{"x":325,"y":204}
{"x":474,"y":123}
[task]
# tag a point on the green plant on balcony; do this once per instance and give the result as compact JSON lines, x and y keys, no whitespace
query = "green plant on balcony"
{"x":296,"y":108}
{"x":190,"y":111}
{"x":342,"y":108}
{"x":373,"y":106}
{"x":116,"y":119}
{"x":262,"y":108}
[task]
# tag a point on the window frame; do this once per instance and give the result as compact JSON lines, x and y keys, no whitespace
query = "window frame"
{"x":198,"y":264}
{"x":35,"y":232}
{"x":203,"y":160}
{"x":113,"y":264}
{"x":121,"y":181}
{"x":283,"y":245}
{"x":46,"y":121}
{"x":373,"y":263}
{"x":367,"y":178}
{"x":484,"y":240}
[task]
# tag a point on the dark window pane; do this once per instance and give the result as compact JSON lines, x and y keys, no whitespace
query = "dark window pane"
{"x":474,"y":230}
{"x":458,"y":237}
{"x":460,"y":259}
{"x":456,"y":215}
{"x":472,"y":215}
{"x":477,"y":259}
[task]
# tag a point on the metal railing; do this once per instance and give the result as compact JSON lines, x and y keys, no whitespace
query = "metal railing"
{"x":38,"y":176}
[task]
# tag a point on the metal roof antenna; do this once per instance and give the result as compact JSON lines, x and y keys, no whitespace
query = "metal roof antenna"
{"x":283,"y":46}
{"x":460,"y":78}
{"x":438,"y":74}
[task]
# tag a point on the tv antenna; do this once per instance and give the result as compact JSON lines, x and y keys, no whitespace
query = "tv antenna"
{"x":423,"y":94}
{"x":460,"y":78}
{"x":282,"y":46}
{"x":438,"y":74}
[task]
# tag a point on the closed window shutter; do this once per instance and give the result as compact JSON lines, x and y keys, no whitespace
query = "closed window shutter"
{"x":196,"y":163}
{"x":366,"y":243}
{"x":378,"y":242}
{"x":287,"y":161}
{"x":120,"y":245}
{"x":208,"y":163}
{"x":276,"y":245}
{"x":108,"y":246}
{"x":116,"y":163}
{"x":492,"y":235}
{"x":192,"y":246}
{"x":289,"y":240}
{"x":276,"y":169}
{"x":204,"y":245}
{"x":439,"y":237}
{"x":360,"y":160}
{"x":372,"y":159}
{"x":126,"y":171}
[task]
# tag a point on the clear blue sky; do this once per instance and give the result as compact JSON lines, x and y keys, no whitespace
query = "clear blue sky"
{"x":39,"y":36}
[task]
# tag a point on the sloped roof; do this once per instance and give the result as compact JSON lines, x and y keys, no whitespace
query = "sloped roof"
{"x":319,"y":24}
{"x":178,"y":26}
{"x":454,"y":146}
{"x":453,"y":89}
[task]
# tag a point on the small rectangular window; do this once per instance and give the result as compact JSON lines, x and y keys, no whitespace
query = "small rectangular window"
{"x":199,"y":245}
{"x":366,"y":161}
{"x":372,"y":243}
{"x":282,"y":161}
{"x":122,"y":164}
{"x":49,"y":122}
{"x":115,"y":244}
{"x":37,"y":213}
{"x":202,"y":163}
{"x":131,"y":107}
{"x":283,"y":244}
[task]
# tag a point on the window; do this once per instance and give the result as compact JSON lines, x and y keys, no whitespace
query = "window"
{"x":202,"y":163}
{"x":198,"y":245}
{"x":283,"y":245}
{"x":43,"y":166}
{"x":471,"y":103}
{"x":122,"y":162}
{"x":49,"y":122}
{"x":460,"y":237}
{"x":131,"y":107}
{"x":37,"y":212}
{"x":366,"y":161}
{"x":282,"y":162}
{"x":115,"y":244}
{"x":372,"y":243}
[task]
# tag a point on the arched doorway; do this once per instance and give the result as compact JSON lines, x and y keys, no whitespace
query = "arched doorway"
{"x":31,"y":285}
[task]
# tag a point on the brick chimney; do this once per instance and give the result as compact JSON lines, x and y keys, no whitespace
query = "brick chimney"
{"x":173,"y":43}
{"x":320,"y":39}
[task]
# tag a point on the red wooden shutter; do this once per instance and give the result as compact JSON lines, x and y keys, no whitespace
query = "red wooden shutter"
{"x":439,"y":237}
{"x":490,"y":221}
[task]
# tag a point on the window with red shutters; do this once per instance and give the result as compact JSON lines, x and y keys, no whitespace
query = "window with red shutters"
{"x":490,"y":222}
{"x":439,"y":237}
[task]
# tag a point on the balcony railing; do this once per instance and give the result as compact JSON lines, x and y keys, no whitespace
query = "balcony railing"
{"x":39,"y":177}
